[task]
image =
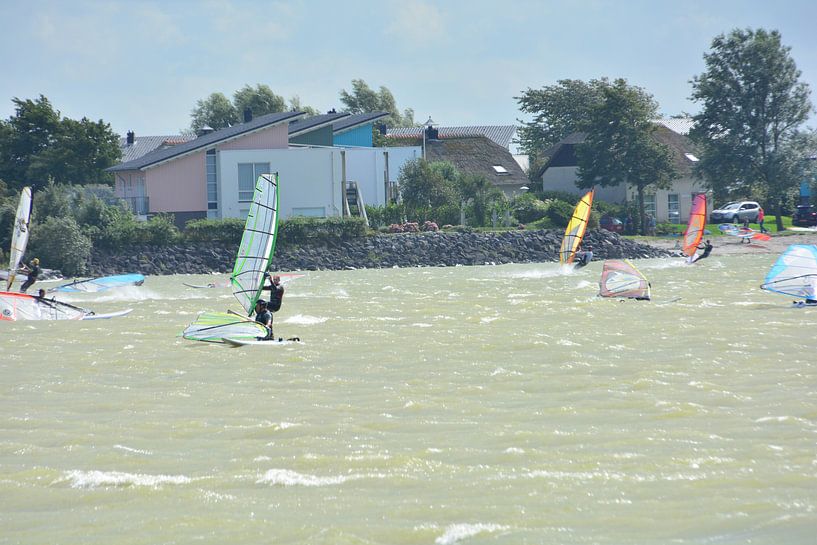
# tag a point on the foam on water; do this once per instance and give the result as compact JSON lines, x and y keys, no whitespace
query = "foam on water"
{"x":458,"y":532}
{"x":97,"y":479}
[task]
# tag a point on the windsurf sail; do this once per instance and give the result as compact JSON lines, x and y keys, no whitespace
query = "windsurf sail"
{"x":794,"y":273}
{"x":19,"y":306}
{"x":574,"y":233}
{"x":19,"y":236}
{"x":257,"y":243}
{"x":214,"y":327}
{"x":620,"y":278}
{"x":695,"y":227}
{"x":92,"y":285}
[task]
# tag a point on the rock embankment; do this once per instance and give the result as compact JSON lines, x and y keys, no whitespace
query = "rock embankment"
{"x":380,"y":251}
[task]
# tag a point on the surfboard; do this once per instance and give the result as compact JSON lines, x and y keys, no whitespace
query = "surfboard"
{"x":108,"y":315}
{"x":199,"y":286}
{"x":238,"y":343}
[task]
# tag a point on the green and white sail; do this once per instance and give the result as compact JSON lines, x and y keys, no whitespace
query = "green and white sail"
{"x":19,"y":236}
{"x":215,"y":326}
{"x":257,"y":243}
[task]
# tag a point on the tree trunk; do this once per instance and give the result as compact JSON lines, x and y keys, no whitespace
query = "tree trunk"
{"x":642,"y":220}
{"x":778,"y":219}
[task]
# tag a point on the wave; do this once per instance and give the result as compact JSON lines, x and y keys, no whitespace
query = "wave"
{"x":458,"y":532}
{"x":96,"y":479}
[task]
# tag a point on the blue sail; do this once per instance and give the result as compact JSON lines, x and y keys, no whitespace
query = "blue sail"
{"x":794,"y":273}
{"x":101,"y":284}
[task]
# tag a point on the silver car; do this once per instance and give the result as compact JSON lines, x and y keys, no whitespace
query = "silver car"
{"x":736,"y":212}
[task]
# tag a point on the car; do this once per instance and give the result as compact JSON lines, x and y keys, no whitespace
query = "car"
{"x":805,"y":216}
{"x":611,"y":224}
{"x":735,"y":212}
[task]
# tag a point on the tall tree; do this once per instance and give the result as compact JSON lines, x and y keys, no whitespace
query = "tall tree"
{"x":296,"y":106}
{"x":215,"y":111}
{"x":260,"y":100}
{"x":752,"y":107}
{"x":37,"y":144}
{"x":363,"y":99}
{"x":425,"y":185}
{"x":557,"y":110}
{"x":619,"y":147}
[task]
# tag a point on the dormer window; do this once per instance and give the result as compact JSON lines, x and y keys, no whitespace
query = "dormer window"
{"x":502,"y":171}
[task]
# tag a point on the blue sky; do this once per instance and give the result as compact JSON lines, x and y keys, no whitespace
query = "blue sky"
{"x":142,"y":65}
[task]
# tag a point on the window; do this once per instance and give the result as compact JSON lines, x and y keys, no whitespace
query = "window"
{"x":248,"y":173}
{"x":649,"y":204}
{"x":499,"y":169}
{"x":212,"y":181}
{"x":674,"y":208}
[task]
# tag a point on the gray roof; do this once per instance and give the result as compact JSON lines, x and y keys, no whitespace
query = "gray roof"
{"x":355,"y":120}
{"x":143,"y":145}
{"x":206,"y":141}
{"x":500,"y":134}
{"x":680,"y":125}
{"x":477,"y":155}
{"x":305,"y":125}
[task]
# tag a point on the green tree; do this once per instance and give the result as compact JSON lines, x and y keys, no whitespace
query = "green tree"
{"x":61,"y":244}
{"x":30,"y":132}
{"x":752,"y":106}
{"x":557,"y":110}
{"x":296,"y":106}
{"x":620,"y":148}
{"x":215,"y":111}
{"x":427,"y":185}
{"x":364,"y":99}
{"x":260,"y":100}
{"x":480,"y":195}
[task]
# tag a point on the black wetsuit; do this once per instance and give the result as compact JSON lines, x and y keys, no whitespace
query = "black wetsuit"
{"x":276,"y":296}
{"x":707,"y":250}
{"x":33,"y":273}
{"x":584,"y":258}
{"x":264,"y":317}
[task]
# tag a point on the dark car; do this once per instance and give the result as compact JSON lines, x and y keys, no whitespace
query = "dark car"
{"x":805,"y":216}
{"x":611,"y":224}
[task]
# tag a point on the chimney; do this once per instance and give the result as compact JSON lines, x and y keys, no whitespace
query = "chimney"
{"x":131,"y":138}
{"x":204,"y":130}
{"x":332,"y":111}
{"x":247,"y":115}
{"x":383,"y":129}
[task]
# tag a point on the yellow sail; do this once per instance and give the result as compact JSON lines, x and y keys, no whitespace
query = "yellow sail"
{"x":574,"y":233}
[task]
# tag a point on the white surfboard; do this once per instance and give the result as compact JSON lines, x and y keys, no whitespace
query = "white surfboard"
{"x":237,"y":343}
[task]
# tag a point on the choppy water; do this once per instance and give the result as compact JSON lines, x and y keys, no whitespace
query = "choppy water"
{"x":463,"y":405}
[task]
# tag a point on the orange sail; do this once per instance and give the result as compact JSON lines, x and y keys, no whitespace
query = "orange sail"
{"x":696,"y":225}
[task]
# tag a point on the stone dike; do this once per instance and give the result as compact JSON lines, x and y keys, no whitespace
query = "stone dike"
{"x":379,"y":251}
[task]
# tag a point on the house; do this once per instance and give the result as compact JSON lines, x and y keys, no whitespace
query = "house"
{"x":213,"y":175}
{"x":502,"y":135}
{"x":560,"y":173}
{"x":481,"y":156}
{"x":356,"y":129}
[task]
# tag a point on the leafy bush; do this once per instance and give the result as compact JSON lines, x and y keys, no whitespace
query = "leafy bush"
{"x":559,"y":213}
{"x":60,"y":244}
{"x":224,"y":230}
{"x":527,"y":208}
{"x":160,"y":230}
{"x":380,"y":216}
{"x":301,"y":230}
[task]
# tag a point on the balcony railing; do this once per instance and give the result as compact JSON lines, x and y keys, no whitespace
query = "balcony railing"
{"x":139,"y":205}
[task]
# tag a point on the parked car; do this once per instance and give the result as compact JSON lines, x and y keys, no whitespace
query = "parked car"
{"x":611,"y":224}
{"x":805,"y":216}
{"x":736,"y":212}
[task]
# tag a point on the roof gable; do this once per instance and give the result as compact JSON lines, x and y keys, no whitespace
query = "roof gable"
{"x":301,"y":126}
{"x":206,"y":141}
{"x":355,"y":120}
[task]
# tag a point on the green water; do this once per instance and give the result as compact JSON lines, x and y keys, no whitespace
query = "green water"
{"x":461,"y":405}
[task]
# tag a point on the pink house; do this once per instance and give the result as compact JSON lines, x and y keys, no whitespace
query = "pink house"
{"x":182,"y":179}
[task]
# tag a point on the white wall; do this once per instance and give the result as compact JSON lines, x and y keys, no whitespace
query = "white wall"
{"x":308,"y":178}
{"x":564,"y":179}
{"x":367,"y":167}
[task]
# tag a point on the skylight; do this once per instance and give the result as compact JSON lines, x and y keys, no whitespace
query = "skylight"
{"x":691,"y":157}
{"x":500,"y":169}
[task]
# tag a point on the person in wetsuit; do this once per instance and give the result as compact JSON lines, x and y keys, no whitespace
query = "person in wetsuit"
{"x":33,"y":271}
{"x":584,"y":257}
{"x":707,"y":248}
{"x":276,"y":295}
{"x":264,"y":317}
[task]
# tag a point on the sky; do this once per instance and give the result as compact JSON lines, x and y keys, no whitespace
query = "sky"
{"x":142,"y":65}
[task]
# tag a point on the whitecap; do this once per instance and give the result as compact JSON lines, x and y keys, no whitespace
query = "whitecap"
{"x":302,"y":319}
{"x":287,"y":477}
{"x":134,"y":450}
{"x":457,"y":532}
{"x":95,"y":479}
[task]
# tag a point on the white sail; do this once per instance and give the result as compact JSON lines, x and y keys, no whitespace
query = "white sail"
{"x":19,"y":237}
{"x":19,"y":306}
{"x":257,"y":243}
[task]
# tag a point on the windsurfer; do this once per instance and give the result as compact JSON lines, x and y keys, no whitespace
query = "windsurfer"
{"x":33,"y":272}
{"x":584,"y":257}
{"x":707,"y":248}
{"x":276,"y":293}
{"x":264,"y":317}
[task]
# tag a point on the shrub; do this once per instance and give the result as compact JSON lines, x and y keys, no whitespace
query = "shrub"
{"x":60,"y":244}
{"x":430,"y":226}
{"x":559,"y":213}
{"x":302,"y":230}
{"x":160,"y":230}
{"x":527,"y":208}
